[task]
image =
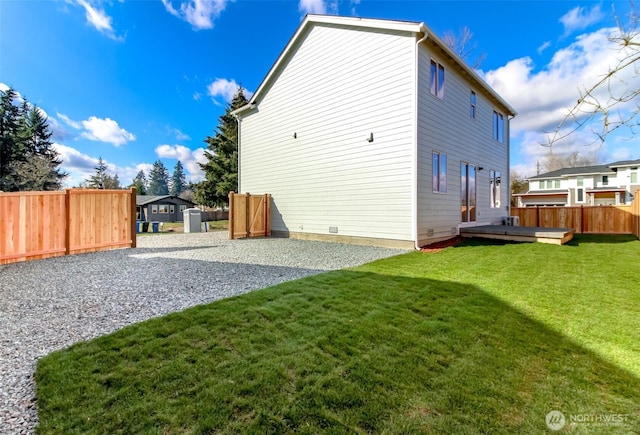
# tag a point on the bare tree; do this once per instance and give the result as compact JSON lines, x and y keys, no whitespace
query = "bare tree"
{"x":621,"y":104}
{"x":575,"y":159}
{"x":462,"y":44}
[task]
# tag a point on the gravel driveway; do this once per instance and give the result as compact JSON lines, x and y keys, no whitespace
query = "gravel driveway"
{"x":49,"y":304}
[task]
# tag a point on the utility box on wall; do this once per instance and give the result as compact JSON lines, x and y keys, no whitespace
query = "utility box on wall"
{"x":192,"y":220}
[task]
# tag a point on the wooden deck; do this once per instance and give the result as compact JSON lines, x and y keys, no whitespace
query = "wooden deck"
{"x":556,"y":236}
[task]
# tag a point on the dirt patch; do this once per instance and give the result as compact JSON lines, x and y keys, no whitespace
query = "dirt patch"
{"x":439,"y":246}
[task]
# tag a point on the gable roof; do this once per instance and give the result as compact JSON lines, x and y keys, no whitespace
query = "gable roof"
{"x":364,"y":24}
{"x":148,"y":199}
{"x":586,"y":170}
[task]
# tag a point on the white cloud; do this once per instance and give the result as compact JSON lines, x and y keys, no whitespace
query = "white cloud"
{"x":189,"y":159}
{"x":226,"y":89}
{"x":312,"y":7}
{"x":98,"y":19}
{"x":199,"y":13}
{"x":579,"y":18}
{"x":4,"y":87}
{"x":101,"y":130}
{"x":544,"y":46}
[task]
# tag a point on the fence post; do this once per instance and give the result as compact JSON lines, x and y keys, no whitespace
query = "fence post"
{"x":537,"y":215}
{"x":267,"y":215}
{"x":134,"y":214}
{"x":231,"y":215}
{"x":247,"y":217}
{"x":582,"y":219}
{"x":67,"y":221}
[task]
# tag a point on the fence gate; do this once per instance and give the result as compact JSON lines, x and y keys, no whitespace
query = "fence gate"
{"x":249,"y":215}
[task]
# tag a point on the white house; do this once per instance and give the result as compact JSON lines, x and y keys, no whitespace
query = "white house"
{"x":374,"y":131}
{"x":611,"y":184}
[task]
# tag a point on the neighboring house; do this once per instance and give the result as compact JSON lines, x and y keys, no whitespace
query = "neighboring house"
{"x":611,"y":184}
{"x":374,"y":131}
{"x":163,"y":208}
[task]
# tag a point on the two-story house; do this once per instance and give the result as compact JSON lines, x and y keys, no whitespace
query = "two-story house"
{"x":374,"y":131}
{"x":611,"y":184}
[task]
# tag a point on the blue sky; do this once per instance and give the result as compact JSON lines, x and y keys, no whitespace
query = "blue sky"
{"x":137,"y":81}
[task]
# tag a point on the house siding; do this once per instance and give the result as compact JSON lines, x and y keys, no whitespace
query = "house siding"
{"x":446,"y":126}
{"x":333,"y":99}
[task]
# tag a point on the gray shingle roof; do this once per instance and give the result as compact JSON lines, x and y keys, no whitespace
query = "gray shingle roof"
{"x":148,"y":199}
{"x":596,"y":169}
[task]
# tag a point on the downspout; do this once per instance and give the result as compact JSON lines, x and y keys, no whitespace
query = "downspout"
{"x":416,"y":95}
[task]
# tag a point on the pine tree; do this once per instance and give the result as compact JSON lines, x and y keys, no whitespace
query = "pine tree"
{"x":102,"y":180}
{"x":178,"y":180}
{"x":221,"y":168}
{"x":140,"y":183}
{"x":158,"y":179}
{"x":28,"y":160}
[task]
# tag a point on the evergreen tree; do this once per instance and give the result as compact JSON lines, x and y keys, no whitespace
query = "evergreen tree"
{"x":158,"y":179}
{"x":178,"y":180}
{"x":102,"y":180}
{"x":221,"y":168}
{"x":28,"y":160}
{"x":140,"y":183}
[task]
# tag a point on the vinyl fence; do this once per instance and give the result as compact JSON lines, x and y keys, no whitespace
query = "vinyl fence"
{"x":249,"y":215}
{"x":36,"y":225}
{"x":612,"y":219}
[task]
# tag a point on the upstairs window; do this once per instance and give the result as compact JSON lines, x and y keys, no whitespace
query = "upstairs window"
{"x":634,"y":176}
{"x":556,"y":184}
{"x":580,"y":181}
{"x":472,"y":103}
{"x":498,"y":127}
{"x":605,"y":180}
{"x":439,"y":172}
{"x":437,"y":80}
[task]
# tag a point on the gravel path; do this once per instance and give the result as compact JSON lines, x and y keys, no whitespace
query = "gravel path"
{"x":50,"y":304}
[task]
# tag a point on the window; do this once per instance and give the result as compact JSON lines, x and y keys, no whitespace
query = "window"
{"x":472,"y":102}
{"x":172,"y":208}
{"x":498,"y":127}
{"x":605,"y":180}
{"x":163,"y":208}
{"x":154,"y":208}
{"x":183,"y":208}
{"x":634,"y":176}
{"x":580,"y":181}
{"x":494,"y":181}
{"x":549,"y":184}
{"x":580,"y":195}
{"x":556,"y":184}
{"x":437,"y":79}
{"x":541,"y":185}
{"x":439,"y":172}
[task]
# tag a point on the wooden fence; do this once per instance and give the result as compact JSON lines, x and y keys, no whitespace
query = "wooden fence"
{"x":610,"y":219}
{"x":36,"y":225}
{"x":249,"y":215}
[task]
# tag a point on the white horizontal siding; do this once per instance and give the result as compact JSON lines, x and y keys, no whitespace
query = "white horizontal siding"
{"x":446,"y":126}
{"x":337,"y":88}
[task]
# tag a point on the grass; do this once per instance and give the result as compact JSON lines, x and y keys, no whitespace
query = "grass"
{"x":478,"y":338}
{"x":178,"y":227}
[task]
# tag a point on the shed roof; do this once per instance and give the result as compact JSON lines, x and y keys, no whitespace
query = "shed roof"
{"x":417,"y":28}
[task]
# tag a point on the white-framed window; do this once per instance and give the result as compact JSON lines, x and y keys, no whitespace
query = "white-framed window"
{"x":172,"y":208}
{"x":163,"y":208}
{"x":154,"y":208}
{"x":634,"y":176}
{"x":580,"y":181}
{"x":182,"y":208}
{"x":605,"y":180}
{"x":472,"y":105}
{"x":439,"y":172}
{"x":549,"y":184}
{"x":495,"y":190}
{"x":556,"y":184}
{"x":580,"y":194}
{"x":437,"y":80}
{"x":498,"y":126}
{"x":541,"y":184}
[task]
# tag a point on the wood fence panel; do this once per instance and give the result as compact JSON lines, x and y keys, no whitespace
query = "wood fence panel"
{"x":249,"y":215}
{"x":619,"y":219}
{"x":36,"y":225}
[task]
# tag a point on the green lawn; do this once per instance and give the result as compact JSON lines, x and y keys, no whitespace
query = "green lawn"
{"x":478,"y":338}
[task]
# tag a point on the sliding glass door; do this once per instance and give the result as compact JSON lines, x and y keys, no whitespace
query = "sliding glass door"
{"x":467,"y":192}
